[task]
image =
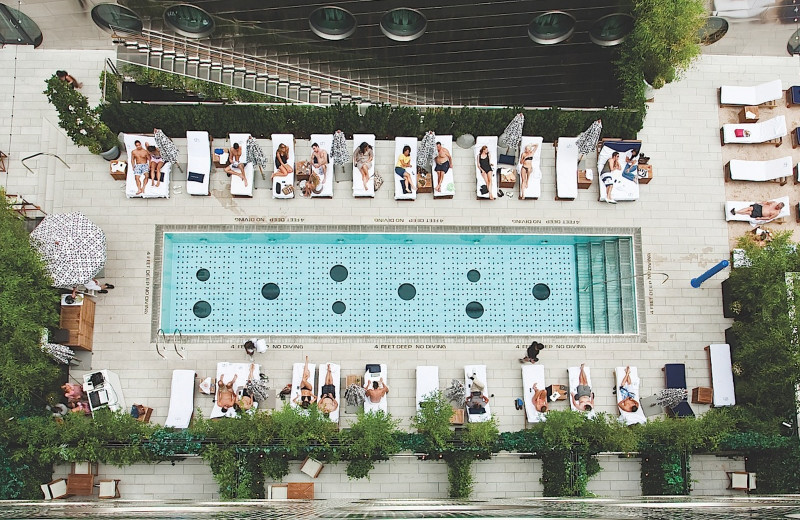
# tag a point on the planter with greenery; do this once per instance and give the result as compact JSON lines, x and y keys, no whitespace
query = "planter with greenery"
{"x":371,"y":438}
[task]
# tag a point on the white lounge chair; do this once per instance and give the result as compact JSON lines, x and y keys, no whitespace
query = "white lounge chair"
{"x":629,"y":418}
{"x":719,"y":356}
{"x":325,"y":188}
{"x":198,"y":167}
{"x":283,"y":187}
{"x":358,"y":181}
{"x":151,"y":191}
{"x":448,"y":184}
{"x":400,"y":191}
{"x":336,"y":375}
{"x":228,"y":370}
{"x":566,"y":168}
{"x":737,"y":205}
{"x":532,"y":374}
{"x":181,"y":399}
{"x":238,"y":189}
{"x":479,"y":373}
{"x":297,"y":378}
{"x":760,"y":171}
{"x":490,"y":141}
{"x":574,"y":379}
{"x":534,"y":188}
{"x":427,"y":382}
{"x":369,"y":377}
{"x":624,"y":188}
{"x":752,"y":95}
{"x":771,"y":131}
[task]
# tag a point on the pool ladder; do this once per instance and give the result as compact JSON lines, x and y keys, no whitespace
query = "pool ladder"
{"x":176,"y":339}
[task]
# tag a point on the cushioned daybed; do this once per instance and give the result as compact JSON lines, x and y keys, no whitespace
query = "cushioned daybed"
{"x":675,"y":377}
{"x":181,"y":399}
{"x":742,"y":170}
{"x":751,"y":95}
{"x":238,"y":189}
{"x":566,"y":168}
{"x":719,"y":359}
{"x":151,"y":191}
{"x":325,"y":188}
{"x":625,"y":187}
{"x":198,"y":166}
{"x":427,"y":382}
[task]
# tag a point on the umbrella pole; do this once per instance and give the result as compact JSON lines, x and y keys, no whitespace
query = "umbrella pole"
{"x":263,"y":177}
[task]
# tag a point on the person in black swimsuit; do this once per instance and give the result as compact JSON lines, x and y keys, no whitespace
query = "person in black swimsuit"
{"x":327,"y":402}
{"x":767,"y":210}
{"x":282,"y":166}
{"x":486,"y":169}
{"x":306,"y":395}
{"x":526,"y":168}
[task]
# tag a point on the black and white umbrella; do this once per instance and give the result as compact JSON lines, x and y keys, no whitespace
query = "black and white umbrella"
{"x":72,"y":247}
{"x":427,"y":149}
{"x":169,"y":152}
{"x":339,"y":149}
{"x":587,"y":141}
{"x":60,"y":353}
{"x":512,"y":135}
{"x":255,"y":154}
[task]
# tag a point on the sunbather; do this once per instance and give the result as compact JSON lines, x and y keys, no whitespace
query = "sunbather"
{"x":526,"y":167}
{"x":141,"y":161}
{"x":486,"y":168}
{"x":539,"y":398}
{"x":319,"y":160}
{"x":607,"y":178}
{"x":306,"y":395}
{"x":766,"y":210}
{"x":362,"y":159}
{"x":313,"y":185}
{"x":444,"y":161}
{"x":156,"y":162}
{"x":236,"y":167}
{"x":628,"y":402}
{"x":583,"y":397}
{"x":282,"y":166}
{"x":226,"y":397}
{"x":631,"y":162}
{"x":327,"y":395}
{"x":401,"y":169}
{"x":475,"y":401}
{"x":378,"y":390}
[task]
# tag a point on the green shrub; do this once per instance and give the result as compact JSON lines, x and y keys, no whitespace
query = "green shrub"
{"x":372,"y":437}
{"x":433,"y":422}
{"x":82,"y":124}
{"x":459,"y":474}
{"x":303,"y":433}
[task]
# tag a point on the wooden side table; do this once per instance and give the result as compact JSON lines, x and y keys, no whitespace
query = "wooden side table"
{"x":702,"y":395}
{"x":117,"y":170}
{"x":80,"y":484}
{"x":424,"y":180}
{"x":583,"y":182}
{"x":78,"y":321}
{"x":748,"y":114}
{"x":508,"y":176}
{"x":649,"y":177}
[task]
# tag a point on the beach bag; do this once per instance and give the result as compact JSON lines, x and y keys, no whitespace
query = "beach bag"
{"x":378,"y":181}
{"x":484,"y":189}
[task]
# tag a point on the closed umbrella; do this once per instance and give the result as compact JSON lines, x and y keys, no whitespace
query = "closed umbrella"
{"x":587,"y":141}
{"x":60,"y":353}
{"x":427,"y":149}
{"x":169,"y":152}
{"x":72,"y":247}
{"x":339,"y":153}
{"x":255,"y":154}
{"x":513,"y":132}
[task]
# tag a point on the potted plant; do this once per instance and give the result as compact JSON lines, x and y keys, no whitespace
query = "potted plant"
{"x":82,"y":123}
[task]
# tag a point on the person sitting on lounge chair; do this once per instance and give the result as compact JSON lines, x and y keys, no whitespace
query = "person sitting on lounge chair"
{"x":767,"y":210}
{"x":236,"y":167}
{"x":631,"y":163}
{"x":156,"y":163}
{"x":306,"y":395}
{"x":583,"y":398}
{"x":378,"y":390}
{"x":401,"y":169}
{"x":327,"y":396}
{"x":282,"y":166}
{"x":628,"y":402}
{"x":362,"y":159}
{"x":319,"y":160}
{"x":226,"y":397}
{"x":539,"y":399}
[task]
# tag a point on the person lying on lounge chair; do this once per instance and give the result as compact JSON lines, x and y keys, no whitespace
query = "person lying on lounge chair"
{"x":444,"y":161}
{"x":141,"y":165}
{"x":526,"y":167}
{"x":282,"y":166}
{"x":378,"y":390}
{"x":539,"y":398}
{"x":583,"y":398}
{"x":401,"y":169}
{"x":607,"y":179}
{"x":629,"y":402}
{"x":306,"y":395}
{"x":319,"y":160}
{"x":486,"y":168}
{"x":226,"y":397}
{"x":766,"y":210}
{"x":362,"y":159}
{"x":236,"y":167}
{"x":327,"y":396}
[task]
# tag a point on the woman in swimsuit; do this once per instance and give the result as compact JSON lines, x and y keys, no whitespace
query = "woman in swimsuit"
{"x":306,"y":395}
{"x":282,"y":167}
{"x":526,"y":168}
{"x":401,"y":169}
{"x":362,"y":159}
{"x":485,"y":167}
{"x":156,"y":162}
{"x":327,"y":400}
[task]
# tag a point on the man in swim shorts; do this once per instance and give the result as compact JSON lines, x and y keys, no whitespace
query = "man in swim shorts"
{"x":583,"y":398}
{"x":444,"y":161}
{"x":319,"y":160}
{"x":767,"y":210}
{"x":141,"y":166}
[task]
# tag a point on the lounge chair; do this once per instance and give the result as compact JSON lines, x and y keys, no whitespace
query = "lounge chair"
{"x":448,"y":183}
{"x":336,"y":373}
{"x":151,"y":191}
{"x":719,"y":359}
{"x":624,"y":188}
{"x":629,"y":418}
{"x":760,"y":171}
{"x":736,"y":205}
{"x":400,"y":190}
{"x":534,"y":189}
{"x":325,"y":188}
{"x":574,"y":379}
{"x":283,"y":186}
{"x":755,"y":95}
{"x":771,"y":131}
{"x":369,"y":377}
{"x":228,"y":370}
{"x":238,"y":189}
{"x":427,"y":382}
{"x":532,"y":374}
{"x":198,"y":167}
{"x":481,"y":190}
{"x":566,"y":168}
{"x":479,"y":373}
{"x":358,"y":184}
{"x":55,"y":489}
{"x":181,"y":399}
{"x":675,"y":377}
{"x":297,"y":378}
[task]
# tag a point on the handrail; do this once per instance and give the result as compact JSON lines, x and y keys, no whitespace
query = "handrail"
{"x":160,"y":333}
{"x":37,"y":155}
{"x":175,"y":343}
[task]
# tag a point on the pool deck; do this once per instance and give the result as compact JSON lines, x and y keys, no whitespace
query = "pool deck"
{"x":683,"y":233}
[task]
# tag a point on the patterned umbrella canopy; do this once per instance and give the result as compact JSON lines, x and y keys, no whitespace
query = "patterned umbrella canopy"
{"x":587,"y":141}
{"x":60,"y":353}
{"x":72,"y":247}
{"x":513,"y":132}
{"x":165,"y":145}
{"x":339,"y":148}
{"x":427,"y":149}
{"x":255,"y":153}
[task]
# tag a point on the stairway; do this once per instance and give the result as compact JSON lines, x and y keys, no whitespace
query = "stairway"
{"x":606,"y":294}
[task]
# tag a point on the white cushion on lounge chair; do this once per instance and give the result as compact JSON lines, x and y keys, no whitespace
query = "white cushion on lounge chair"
{"x":336,"y":374}
{"x":228,"y":370}
{"x":624,"y":189}
{"x":567,"y":168}
{"x":532,"y":374}
{"x":751,"y":95}
{"x":637,"y":417}
{"x":480,"y":372}
{"x":358,"y":183}
{"x":574,"y":378}
{"x":743,"y":170}
{"x":534,"y":190}
{"x":736,"y":205}
{"x":399,"y":144}
{"x":325,"y":142}
{"x":297,"y":378}
{"x":237,"y":184}
{"x":722,"y":374}
{"x":369,"y":406}
{"x":489,"y":141}
{"x":427,"y":382}
{"x":448,"y":183}
{"x":288,"y":180}
{"x":198,"y":148}
{"x":181,"y":399}
{"x":150,"y":191}
{"x":760,"y":132}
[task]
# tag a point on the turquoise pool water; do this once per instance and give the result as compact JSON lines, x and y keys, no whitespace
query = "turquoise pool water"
{"x":377,"y":283}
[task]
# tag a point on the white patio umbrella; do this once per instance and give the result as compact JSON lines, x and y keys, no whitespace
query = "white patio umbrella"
{"x":427,"y":149}
{"x":255,"y":153}
{"x":72,"y":247}
{"x":169,"y":152}
{"x":60,"y":353}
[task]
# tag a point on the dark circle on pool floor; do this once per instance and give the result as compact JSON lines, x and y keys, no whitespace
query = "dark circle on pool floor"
{"x":201,"y":309}
{"x":339,"y":273}
{"x":474,"y":310}
{"x":203,"y":275}
{"x":473,"y":275}
{"x":541,"y":291}
{"x":270,"y":291}
{"x":339,"y":307}
{"x":406,"y":291}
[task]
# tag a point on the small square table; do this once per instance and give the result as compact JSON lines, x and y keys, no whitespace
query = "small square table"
{"x":748,"y":114}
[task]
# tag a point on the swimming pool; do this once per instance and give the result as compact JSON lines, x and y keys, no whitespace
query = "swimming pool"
{"x":393,"y":283}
